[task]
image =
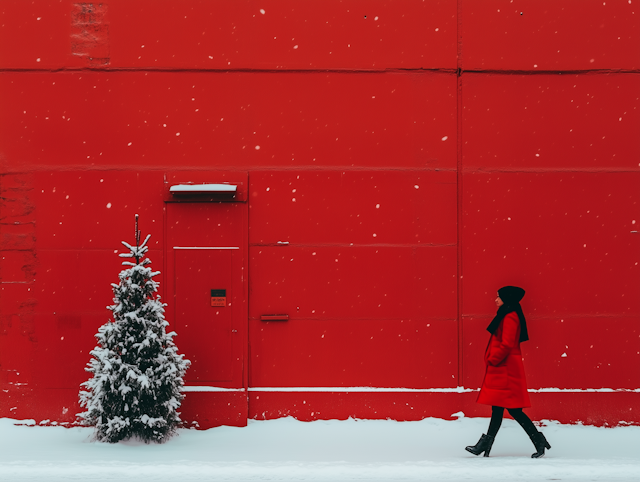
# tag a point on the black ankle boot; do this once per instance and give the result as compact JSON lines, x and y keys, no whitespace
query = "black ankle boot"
{"x":483,"y":445}
{"x":540,"y":443}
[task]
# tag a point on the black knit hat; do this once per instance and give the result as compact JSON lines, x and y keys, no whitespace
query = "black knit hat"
{"x":510,"y":295}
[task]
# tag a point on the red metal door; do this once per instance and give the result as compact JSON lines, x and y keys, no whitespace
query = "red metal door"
{"x":206,"y":294}
{"x":205,"y":331}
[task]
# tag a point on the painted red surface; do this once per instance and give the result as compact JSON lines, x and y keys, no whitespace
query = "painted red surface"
{"x":551,"y":122}
{"x":385,"y":349}
{"x":224,"y":35}
{"x":206,"y":250}
{"x":396,"y":163}
{"x":535,"y":36}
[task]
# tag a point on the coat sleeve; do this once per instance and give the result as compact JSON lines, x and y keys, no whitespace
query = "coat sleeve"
{"x":510,"y":329}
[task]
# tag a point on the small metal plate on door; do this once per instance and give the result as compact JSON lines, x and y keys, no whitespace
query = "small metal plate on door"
{"x":218,"y":297}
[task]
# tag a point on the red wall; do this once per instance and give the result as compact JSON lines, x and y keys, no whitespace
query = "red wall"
{"x":415,"y":155}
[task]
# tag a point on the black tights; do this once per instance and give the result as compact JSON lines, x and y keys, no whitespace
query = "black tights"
{"x":519,"y":416}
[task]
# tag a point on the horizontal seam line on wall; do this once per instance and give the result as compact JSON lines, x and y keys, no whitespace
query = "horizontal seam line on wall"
{"x":316,"y":168}
{"x":284,"y":244}
{"x":392,"y":70}
{"x":551,"y":71}
{"x":234,"y":168}
{"x":334,"y":70}
{"x":257,"y":245}
{"x":561,"y":316}
{"x":37,"y":312}
{"x":591,"y":170}
{"x":345,"y":319}
{"x":80,"y":248}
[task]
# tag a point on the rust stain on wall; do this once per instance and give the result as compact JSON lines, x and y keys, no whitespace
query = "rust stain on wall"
{"x":18,"y":267}
{"x":17,"y":237}
{"x":15,"y":203}
{"x":17,"y":220}
{"x":90,"y":33}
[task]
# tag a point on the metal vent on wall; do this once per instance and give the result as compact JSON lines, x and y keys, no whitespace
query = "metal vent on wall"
{"x":194,"y":189}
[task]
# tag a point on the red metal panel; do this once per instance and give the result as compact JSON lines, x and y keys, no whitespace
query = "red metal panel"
{"x":283,"y":34}
{"x":204,"y":331}
{"x":126,"y":119}
{"x":205,"y":410}
{"x":565,"y":352}
{"x":71,"y":280}
{"x":566,"y":237}
{"x":90,"y":210}
{"x":218,"y":346}
{"x":601,"y":409}
{"x":16,"y":344}
{"x":351,"y":119}
{"x":16,"y":204}
{"x":551,"y":121}
{"x":16,"y":298}
{"x":308,"y":406}
{"x":280,"y":34}
{"x":64,"y":340}
{"x":17,"y":266}
{"x":348,"y":353}
{"x":18,"y":236}
{"x":359,"y":282}
{"x":550,"y":35}
{"x":584,"y":353}
{"x":49,"y":34}
{"x":205,"y":35}
{"x":35,"y":35}
{"x":205,"y":224}
{"x":474,"y":344}
{"x":590,"y":408}
{"x":51,"y":406}
{"x":370,"y":207}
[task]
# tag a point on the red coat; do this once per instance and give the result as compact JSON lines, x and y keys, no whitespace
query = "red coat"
{"x":504,"y":383}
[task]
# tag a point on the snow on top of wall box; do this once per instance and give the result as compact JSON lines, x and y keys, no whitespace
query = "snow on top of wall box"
{"x":180,"y":188}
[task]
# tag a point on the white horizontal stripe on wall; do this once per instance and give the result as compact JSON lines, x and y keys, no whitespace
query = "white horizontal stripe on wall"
{"x":360,"y":389}
{"x":206,"y":247}
{"x":583,"y":390}
{"x":432,"y":390}
{"x":211,"y":389}
{"x":398,"y":390}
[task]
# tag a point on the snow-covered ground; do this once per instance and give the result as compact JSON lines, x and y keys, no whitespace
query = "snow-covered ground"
{"x":352,"y":450}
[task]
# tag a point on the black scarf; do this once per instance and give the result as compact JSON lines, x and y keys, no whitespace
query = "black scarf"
{"x":510,"y":296}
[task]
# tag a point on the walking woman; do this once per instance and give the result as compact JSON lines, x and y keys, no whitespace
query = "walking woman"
{"x":504,"y":384}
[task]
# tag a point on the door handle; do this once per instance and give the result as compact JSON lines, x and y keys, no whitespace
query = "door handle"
{"x":274,"y":317}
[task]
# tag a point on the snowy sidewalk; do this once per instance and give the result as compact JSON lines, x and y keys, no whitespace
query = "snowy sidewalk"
{"x":352,"y":450}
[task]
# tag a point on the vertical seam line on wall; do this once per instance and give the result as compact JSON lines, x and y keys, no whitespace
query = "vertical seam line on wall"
{"x":165,"y":256}
{"x":247,"y":365}
{"x":459,"y":188}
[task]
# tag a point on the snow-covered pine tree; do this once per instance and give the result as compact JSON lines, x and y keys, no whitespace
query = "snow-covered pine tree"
{"x":136,"y":388}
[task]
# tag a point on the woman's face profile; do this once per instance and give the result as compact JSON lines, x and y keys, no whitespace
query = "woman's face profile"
{"x":499,"y":302}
